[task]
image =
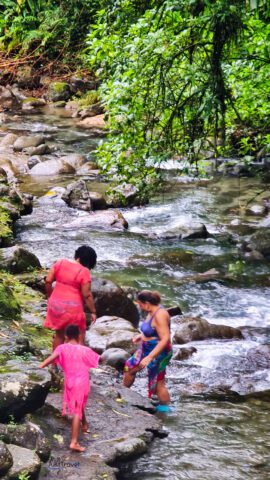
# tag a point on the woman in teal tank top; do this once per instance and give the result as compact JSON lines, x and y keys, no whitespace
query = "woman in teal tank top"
{"x":154,"y":350}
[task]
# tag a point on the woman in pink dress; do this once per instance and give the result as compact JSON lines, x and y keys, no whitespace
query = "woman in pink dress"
{"x":75,"y":359}
{"x":72,"y":289}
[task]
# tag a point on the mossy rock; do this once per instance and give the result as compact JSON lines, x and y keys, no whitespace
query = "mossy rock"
{"x":5,"y":227}
{"x":9,"y":306}
{"x":59,"y":91}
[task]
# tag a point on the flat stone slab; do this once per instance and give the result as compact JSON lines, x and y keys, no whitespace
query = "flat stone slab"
{"x":121,"y":428}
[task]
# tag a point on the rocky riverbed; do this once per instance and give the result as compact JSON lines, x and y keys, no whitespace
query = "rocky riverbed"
{"x":203,"y":244}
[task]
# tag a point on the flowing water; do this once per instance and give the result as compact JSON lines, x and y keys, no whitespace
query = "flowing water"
{"x":208,"y":439}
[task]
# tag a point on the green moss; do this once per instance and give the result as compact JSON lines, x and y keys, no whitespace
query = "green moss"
{"x":8,"y":369}
{"x":41,"y":338}
{"x":89,"y":99}
{"x":9,"y":306}
{"x":59,"y":87}
{"x":5,"y":224}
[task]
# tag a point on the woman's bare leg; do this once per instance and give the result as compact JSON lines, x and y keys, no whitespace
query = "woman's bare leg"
{"x":75,"y":429}
{"x":58,"y":338}
{"x":162,"y":393}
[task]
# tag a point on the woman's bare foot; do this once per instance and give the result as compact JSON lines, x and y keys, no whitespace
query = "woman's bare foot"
{"x":76,"y":447}
{"x":85,"y":427}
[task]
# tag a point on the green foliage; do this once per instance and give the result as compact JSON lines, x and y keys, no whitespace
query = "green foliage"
{"x":178,"y":78}
{"x":237,"y":267}
{"x":54,"y":27}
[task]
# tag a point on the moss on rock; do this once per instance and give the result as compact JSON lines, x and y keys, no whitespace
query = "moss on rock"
{"x":9,"y":306}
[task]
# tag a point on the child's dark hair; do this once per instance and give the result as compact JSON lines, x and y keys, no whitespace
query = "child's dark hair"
{"x":72,"y":332}
{"x":148,"y":296}
{"x":87,"y":256}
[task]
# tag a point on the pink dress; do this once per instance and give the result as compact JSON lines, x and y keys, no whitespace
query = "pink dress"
{"x":76,"y":360}
{"x":65,"y":305}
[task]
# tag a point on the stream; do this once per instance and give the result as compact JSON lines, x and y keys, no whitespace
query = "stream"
{"x":208,"y":438}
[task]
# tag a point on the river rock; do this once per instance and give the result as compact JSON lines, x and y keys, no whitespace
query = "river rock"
{"x":260,"y":241}
{"x":18,"y":260}
{"x":124,"y":195}
{"x":105,"y":327}
{"x":8,"y":140}
{"x":183,"y":231}
{"x":92,"y":110}
{"x":26,"y":464}
{"x":33,"y":102}
{"x":96,"y":122}
{"x":110,"y":299}
{"x":34,"y":160}
{"x":58,"y":91}
{"x":27,"y":141}
{"x":8,"y":166}
{"x":42,"y":149}
{"x":121,"y":339}
{"x":52,"y":167}
{"x":77,"y":196}
{"x":89,"y":169}
{"x":100,"y":220}
{"x":6,"y":460}
{"x":23,"y":388}
{"x":115,"y":357}
{"x":7,"y":99}
{"x":76,"y":160}
{"x":120,"y":423}
{"x":27,"y":435}
{"x":197,"y":328}
{"x":258,"y":210}
{"x":184,"y":353}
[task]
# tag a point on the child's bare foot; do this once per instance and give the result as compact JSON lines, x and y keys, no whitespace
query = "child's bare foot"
{"x":85,"y":427}
{"x":76,"y":447}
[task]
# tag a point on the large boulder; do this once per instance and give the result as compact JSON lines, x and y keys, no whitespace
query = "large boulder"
{"x":197,"y":328}
{"x":59,"y":91}
{"x":107,"y":331}
{"x":77,"y":195}
{"x":6,"y":460}
{"x":52,"y":167}
{"x":185,"y":230}
{"x":101,"y":220}
{"x":23,"y":388}
{"x":27,"y":435}
{"x":121,"y":339}
{"x":18,"y":260}
{"x":26,"y":464}
{"x":110,"y":299}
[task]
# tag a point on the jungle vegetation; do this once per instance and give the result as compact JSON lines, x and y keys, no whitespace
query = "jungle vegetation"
{"x":179,"y":78}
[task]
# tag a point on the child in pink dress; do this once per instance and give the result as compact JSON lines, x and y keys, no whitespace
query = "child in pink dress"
{"x":75,"y":359}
